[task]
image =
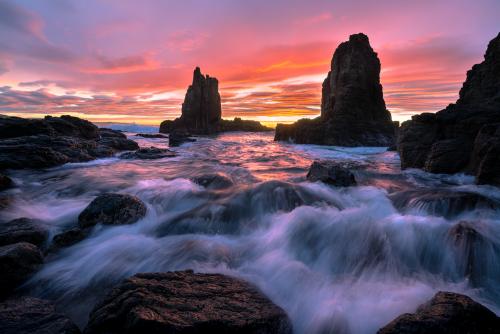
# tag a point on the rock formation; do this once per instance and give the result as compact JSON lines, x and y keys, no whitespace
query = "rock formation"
{"x":464,"y":137}
{"x":331,"y":173}
{"x":202,"y":112}
{"x":23,"y":230}
{"x":446,"y":313}
{"x":186,"y":302}
{"x":353,"y":111}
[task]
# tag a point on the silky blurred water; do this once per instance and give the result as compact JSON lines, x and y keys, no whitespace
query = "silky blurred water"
{"x":338,"y":260}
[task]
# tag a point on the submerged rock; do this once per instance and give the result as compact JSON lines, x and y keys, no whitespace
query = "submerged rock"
{"x":149,"y":153}
{"x":5,"y":182}
{"x":465,"y":136}
{"x":27,"y":315}
{"x":178,"y":137}
{"x":112,"y":209}
{"x":151,"y":135}
{"x":17,"y":263}
{"x":446,"y":313}
{"x":330,"y":173}
{"x":23,"y":229}
{"x":353,"y":111}
{"x":68,"y":238}
{"x":185,"y":302}
{"x":213,"y":181}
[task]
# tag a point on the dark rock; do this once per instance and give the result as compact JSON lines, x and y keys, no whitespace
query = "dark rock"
{"x":149,"y":153}
{"x":112,"y":209}
{"x":27,"y":315}
{"x":5,"y":182}
{"x":179,"y":137}
{"x":17,"y":263}
{"x":23,"y":229}
{"x":446,"y":313}
{"x":68,"y":238}
{"x":441,"y":202}
{"x":202,"y":112}
{"x":185,"y":302}
{"x":353,"y":111}
{"x":464,"y":137}
{"x":105,"y":132}
{"x":331,"y":173}
{"x":53,"y":141}
{"x":213,"y":181}
{"x":151,"y":135}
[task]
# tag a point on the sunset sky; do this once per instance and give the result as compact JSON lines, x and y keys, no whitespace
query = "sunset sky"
{"x":131,"y":61}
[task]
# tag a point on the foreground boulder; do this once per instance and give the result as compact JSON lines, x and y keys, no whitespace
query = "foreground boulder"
{"x":330,"y":173}
{"x":5,"y":182}
{"x":17,"y":263}
{"x":185,"y":302}
{"x":112,"y":209}
{"x":353,"y":111}
{"x":23,"y":229}
{"x":52,"y":141}
{"x":27,"y":315}
{"x":446,"y":313}
{"x":464,"y":137}
{"x":149,"y":153}
{"x":213,"y":181}
{"x":202,"y":112}
{"x":68,"y":238}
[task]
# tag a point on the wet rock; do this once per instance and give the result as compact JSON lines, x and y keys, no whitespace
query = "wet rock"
{"x":119,"y":144}
{"x":17,"y":263}
{"x":5,"y":182}
{"x":149,"y":153}
{"x":178,"y":137}
{"x":185,"y":302}
{"x":465,"y":136}
{"x":112,"y":209}
{"x":27,"y":315}
{"x":442,"y":202}
{"x":445,"y":313}
{"x":213,"y":181}
{"x":151,"y":135}
{"x":330,"y":173}
{"x":23,"y":229}
{"x":105,"y":132}
{"x":353,"y":111}
{"x":68,"y":238}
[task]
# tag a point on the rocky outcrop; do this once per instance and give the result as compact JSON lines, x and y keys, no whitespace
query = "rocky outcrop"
{"x":446,"y":313}
{"x":52,"y":141}
{"x":185,"y":302}
{"x":179,"y":137}
{"x":17,"y":263}
{"x":353,"y":111}
{"x":464,"y":137}
{"x":23,"y":230}
{"x":214,"y":181}
{"x":330,"y":173}
{"x":202,"y":111}
{"x":112,"y":209}
{"x":149,"y":153}
{"x":151,"y":135}
{"x":27,"y":315}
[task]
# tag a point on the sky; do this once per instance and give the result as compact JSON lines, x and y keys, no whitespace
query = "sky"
{"x":132,"y":61}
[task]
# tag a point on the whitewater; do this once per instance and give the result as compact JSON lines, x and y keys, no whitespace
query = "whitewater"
{"x":337,"y":260}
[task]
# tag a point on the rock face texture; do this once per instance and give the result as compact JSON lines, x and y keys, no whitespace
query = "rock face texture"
{"x":330,"y":173}
{"x":23,"y":230}
{"x":353,"y":111}
{"x":464,"y":137}
{"x":52,"y":141}
{"x":28,"y":315}
{"x":185,"y":302}
{"x":446,"y":313}
{"x":202,"y":111}
{"x":112,"y":209}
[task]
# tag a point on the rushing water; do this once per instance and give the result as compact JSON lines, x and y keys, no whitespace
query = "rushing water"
{"x":338,"y":260}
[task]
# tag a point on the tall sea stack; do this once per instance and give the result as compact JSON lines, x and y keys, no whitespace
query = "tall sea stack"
{"x":465,"y":136}
{"x":353,"y":111}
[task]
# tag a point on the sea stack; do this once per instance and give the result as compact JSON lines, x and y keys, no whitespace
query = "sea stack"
{"x":465,"y":136}
{"x":353,"y":111}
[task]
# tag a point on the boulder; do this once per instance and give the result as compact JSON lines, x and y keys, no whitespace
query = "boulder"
{"x":17,"y":263}
{"x":213,"y":181}
{"x":119,"y":143}
{"x":446,"y":313}
{"x":465,"y":136}
{"x":151,"y":135}
{"x":179,"y":137}
{"x":5,"y":182}
{"x":186,"y":302}
{"x":112,"y":209}
{"x":330,"y":173}
{"x":68,"y":238}
{"x":105,"y":132}
{"x":27,"y":315}
{"x":353,"y":111}
{"x":23,"y":229}
{"x":149,"y":153}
